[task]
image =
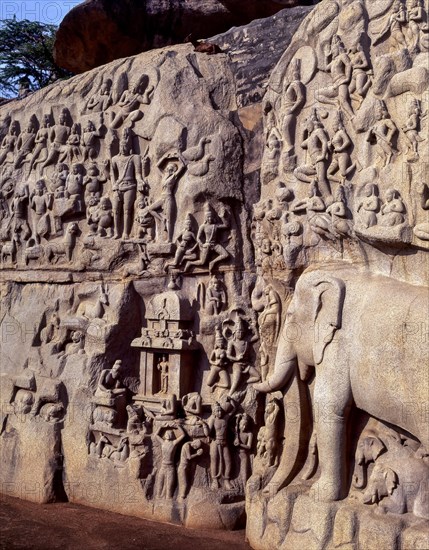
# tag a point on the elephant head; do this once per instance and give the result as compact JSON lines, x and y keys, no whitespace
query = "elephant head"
{"x":382,"y":482}
{"x":313,"y":316}
{"x":368,"y":450}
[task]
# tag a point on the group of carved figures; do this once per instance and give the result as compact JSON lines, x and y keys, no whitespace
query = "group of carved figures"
{"x":283,"y":224}
{"x":351,"y":74}
{"x":112,"y":198}
{"x":214,"y":436}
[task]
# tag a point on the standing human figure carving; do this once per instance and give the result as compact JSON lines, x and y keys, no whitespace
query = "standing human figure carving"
{"x":40,"y":203}
{"x":126,"y":175}
{"x":271,"y":435}
{"x":316,"y":143}
{"x":190,"y":451}
{"x":341,"y":144}
{"x":411,"y":128}
{"x":381,"y":134}
{"x":220,"y":454}
{"x":167,"y":203}
{"x":360,"y":81}
{"x":244,"y":441}
{"x":41,"y":142}
{"x":164,"y":367}
{"x":8,"y":144}
{"x":166,"y":480}
{"x":293,"y":99}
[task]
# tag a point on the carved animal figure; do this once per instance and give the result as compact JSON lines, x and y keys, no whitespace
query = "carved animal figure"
{"x":33,"y":253}
{"x":337,"y":323}
{"x":66,"y":247}
{"x":399,"y":486}
{"x":9,"y":249}
{"x":368,"y":450}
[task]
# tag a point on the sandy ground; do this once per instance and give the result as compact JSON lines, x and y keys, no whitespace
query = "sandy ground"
{"x":68,"y":526}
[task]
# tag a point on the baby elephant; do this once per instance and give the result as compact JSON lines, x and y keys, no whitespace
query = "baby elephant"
{"x":399,"y":486}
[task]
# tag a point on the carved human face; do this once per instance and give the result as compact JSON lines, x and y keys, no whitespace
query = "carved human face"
{"x":196,"y":444}
{"x":380,"y":112}
{"x":124,"y":147}
{"x":217,"y":411}
{"x":390,"y":195}
{"x":239,"y":333}
{"x":169,"y":435}
{"x":40,"y":187}
{"x":63,"y":118}
{"x":243,"y":423}
{"x":76,"y":337}
{"x":117,"y":368}
{"x":209,"y":218}
{"x":171,"y":168}
{"x":266,"y":246}
{"x":368,"y":190}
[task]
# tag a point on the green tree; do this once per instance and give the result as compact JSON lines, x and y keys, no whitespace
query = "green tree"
{"x":26,"y":56}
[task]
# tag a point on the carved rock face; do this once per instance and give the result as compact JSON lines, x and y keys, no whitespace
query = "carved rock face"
{"x":146,"y":313}
{"x":127,"y":216}
{"x":345,"y":136}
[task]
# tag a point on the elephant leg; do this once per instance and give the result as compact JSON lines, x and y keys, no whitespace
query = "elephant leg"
{"x":332,"y":403}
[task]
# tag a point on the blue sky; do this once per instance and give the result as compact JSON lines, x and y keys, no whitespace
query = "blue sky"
{"x":47,"y":11}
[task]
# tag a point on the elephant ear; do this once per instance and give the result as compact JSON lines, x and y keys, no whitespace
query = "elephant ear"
{"x":376,"y":447}
{"x":330,"y":293}
{"x":391,"y":480}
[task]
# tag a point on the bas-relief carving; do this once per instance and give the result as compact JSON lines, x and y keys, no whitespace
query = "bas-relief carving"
{"x":168,"y":344}
{"x":347,"y":213}
{"x":115,"y":168}
{"x":132,"y":199}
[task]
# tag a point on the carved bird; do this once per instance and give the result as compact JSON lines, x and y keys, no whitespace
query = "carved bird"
{"x":196,"y":153}
{"x":202,"y":167}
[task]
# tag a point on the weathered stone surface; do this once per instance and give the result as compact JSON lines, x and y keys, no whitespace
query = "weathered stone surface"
{"x":341,"y":235}
{"x":198,"y":329}
{"x":71,"y":160}
{"x":99,"y":31}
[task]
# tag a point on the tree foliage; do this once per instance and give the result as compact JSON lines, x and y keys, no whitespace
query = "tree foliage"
{"x":26,"y":56}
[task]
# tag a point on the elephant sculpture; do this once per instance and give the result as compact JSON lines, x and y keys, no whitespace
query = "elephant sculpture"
{"x":368,"y":450}
{"x":361,"y":335}
{"x":399,"y":486}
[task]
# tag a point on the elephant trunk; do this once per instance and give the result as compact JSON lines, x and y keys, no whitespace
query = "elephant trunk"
{"x":281,"y":376}
{"x":359,"y":477}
